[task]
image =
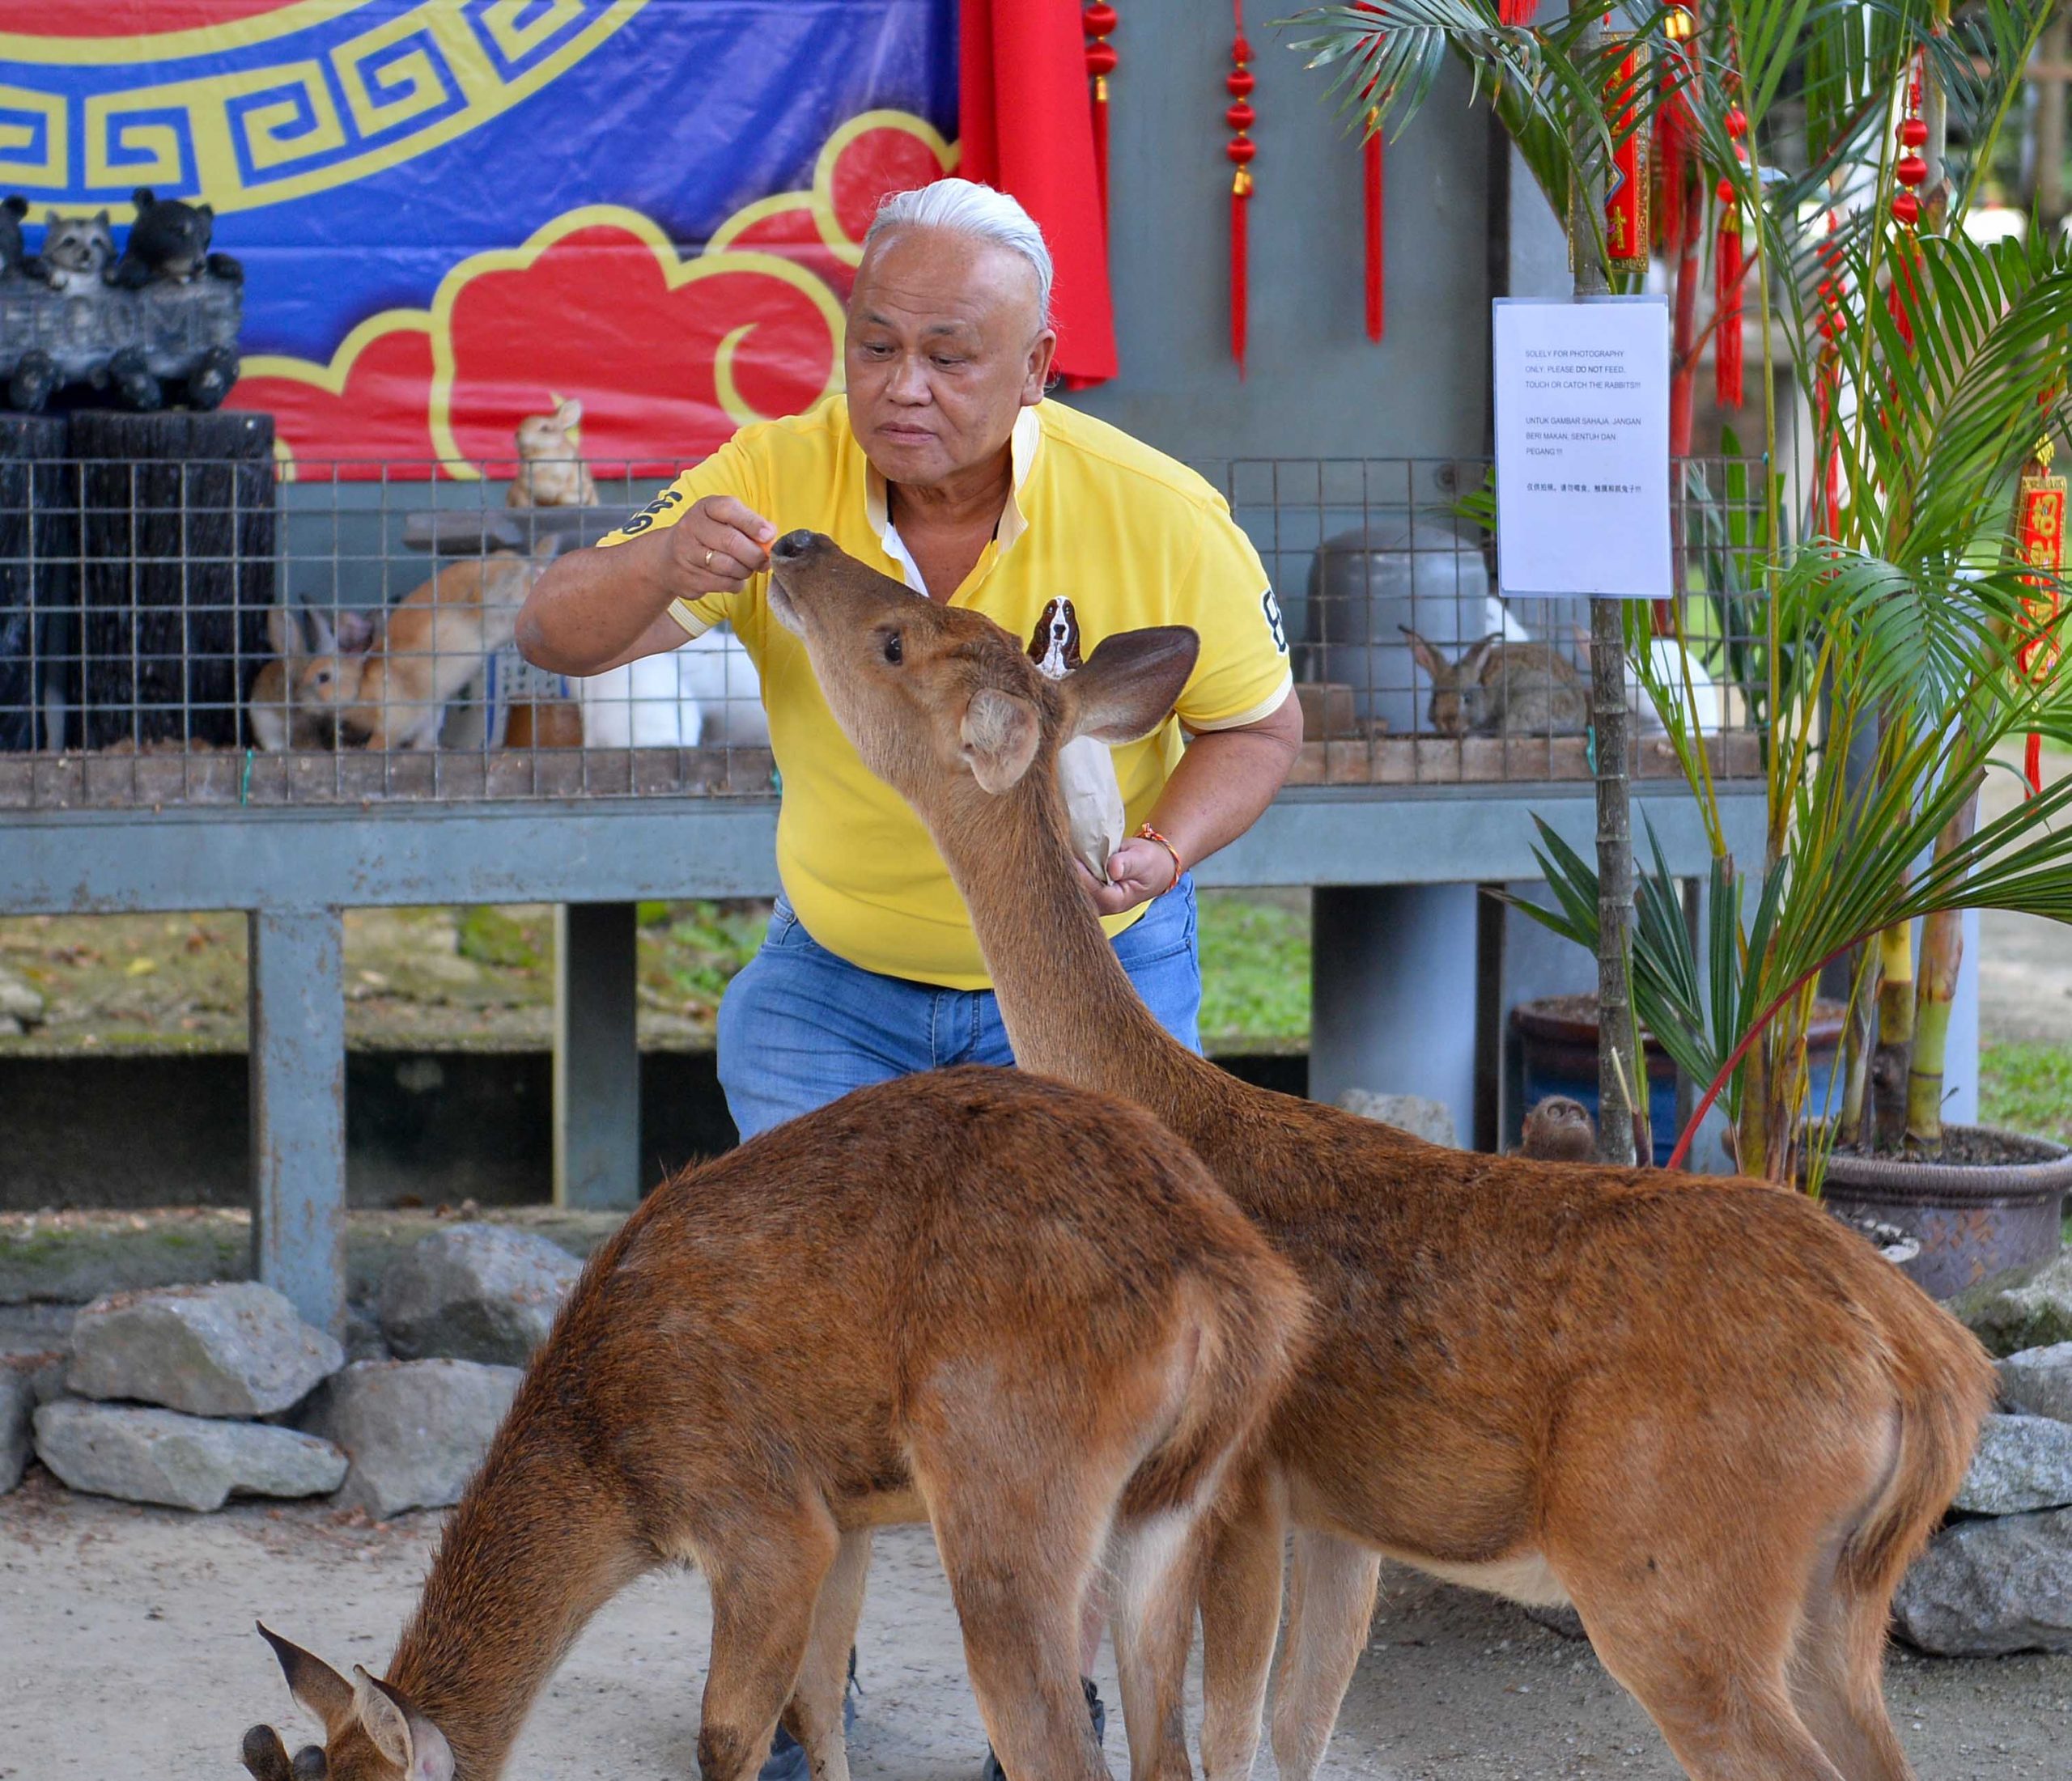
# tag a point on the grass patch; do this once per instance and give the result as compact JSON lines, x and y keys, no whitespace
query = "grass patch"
{"x":493,"y":936}
{"x":2026,"y":1087}
{"x":1254,"y":968}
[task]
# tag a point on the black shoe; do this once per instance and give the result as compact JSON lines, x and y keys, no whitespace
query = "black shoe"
{"x":1095,"y":1711}
{"x":787,"y":1761}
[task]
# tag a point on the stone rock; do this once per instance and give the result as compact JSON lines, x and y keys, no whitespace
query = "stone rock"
{"x":415,"y":1430}
{"x":363,"y":1339}
{"x":2023,"y":1463}
{"x":17,"y":1405}
{"x":18,"y":1002}
{"x":2038,"y":1381}
{"x":188,"y":1462}
{"x":233,"y":1349}
{"x":1421,"y":1117}
{"x":479,"y":1292}
{"x":2024,"y":1308}
{"x":1986,"y":1588}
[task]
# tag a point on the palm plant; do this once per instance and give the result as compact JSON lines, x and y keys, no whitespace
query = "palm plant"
{"x":1892,"y":600}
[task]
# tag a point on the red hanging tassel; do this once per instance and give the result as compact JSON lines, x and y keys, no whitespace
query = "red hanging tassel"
{"x":1673,"y":127}
{"x":1517,"y":12}
{"x":1729,"y":385}
{"x":1371,"y":154}
{"x":2039,"y":540}
{"x":1240,"y":149}
{"x":1097,"y":20}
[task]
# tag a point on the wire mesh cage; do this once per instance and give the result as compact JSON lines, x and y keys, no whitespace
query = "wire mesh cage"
{"x":207,"y":631}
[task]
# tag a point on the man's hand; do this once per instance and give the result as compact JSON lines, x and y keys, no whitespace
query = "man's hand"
{"x":1138,"y":871}
{"x":716,"y":546}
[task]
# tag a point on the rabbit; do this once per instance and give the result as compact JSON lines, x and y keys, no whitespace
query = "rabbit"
{"x":277,"y":723}
{"x":704,"y":692}
{"x":550,"y":474}
{"x":1499,"y":688}
{"x":388,"y":687}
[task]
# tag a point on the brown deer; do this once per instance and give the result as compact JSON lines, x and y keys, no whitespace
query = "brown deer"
{"x":1701,"y":1411}
{"x":1021,"y":1313}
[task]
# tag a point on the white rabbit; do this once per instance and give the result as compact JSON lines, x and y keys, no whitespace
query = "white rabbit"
{"x":704,"y":692}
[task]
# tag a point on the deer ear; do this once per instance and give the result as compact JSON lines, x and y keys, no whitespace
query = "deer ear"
{"x":314,"y":1685}
{"x":400,"y":1730}
{"x":999,"y":734}
{"x":1131,"y":682}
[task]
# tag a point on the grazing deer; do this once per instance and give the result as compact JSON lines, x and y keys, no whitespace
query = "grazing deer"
{"x":1700,"y":1411}
{"x":1015,"y":1310}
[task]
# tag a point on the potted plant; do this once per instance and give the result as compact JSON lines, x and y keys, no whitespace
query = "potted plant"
{"x":1898,"y":618}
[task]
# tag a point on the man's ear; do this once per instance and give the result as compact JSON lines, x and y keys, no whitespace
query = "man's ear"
{"x":317,"y":1688}
{"x":1131,"y":682}
{"x":999,"y":734}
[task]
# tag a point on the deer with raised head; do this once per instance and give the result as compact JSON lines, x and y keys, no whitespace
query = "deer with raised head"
{"x":1700,"y":1411}
{"x":1017,"y":1310}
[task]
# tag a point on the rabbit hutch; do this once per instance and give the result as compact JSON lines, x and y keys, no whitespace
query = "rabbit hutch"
{"x":277,"y":675}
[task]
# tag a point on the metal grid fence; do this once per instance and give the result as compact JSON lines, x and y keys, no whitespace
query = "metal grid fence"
{"x":184,"y":632}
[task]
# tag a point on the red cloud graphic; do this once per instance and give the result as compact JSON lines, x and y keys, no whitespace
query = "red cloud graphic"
{"x":668,"y":355}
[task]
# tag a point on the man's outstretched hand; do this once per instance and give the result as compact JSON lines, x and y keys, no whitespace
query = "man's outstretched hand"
{"x":717,"y":546}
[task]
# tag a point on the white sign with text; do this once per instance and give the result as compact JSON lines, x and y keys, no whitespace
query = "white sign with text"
{"x":1583,"y":447}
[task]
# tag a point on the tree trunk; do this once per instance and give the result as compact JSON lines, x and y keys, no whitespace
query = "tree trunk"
{"x":1942,"y":953}
{"x":1892,"y":1058}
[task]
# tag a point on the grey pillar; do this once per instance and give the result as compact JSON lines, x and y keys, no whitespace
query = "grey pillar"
{"x":597,"y":1058}
{"x":298,"y":1065}
{"x":1393,"y":994}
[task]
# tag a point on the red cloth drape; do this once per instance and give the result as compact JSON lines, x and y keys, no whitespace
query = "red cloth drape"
{"x":1027,"y":127}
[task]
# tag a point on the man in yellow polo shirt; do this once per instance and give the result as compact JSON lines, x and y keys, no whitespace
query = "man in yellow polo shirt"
{"x":943,"y":465}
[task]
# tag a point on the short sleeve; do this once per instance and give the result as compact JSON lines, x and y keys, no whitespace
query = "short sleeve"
{"x":1243,"y":673}
{"x":733,"y":470}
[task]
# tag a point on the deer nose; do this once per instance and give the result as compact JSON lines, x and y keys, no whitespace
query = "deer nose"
{"x":794,"y":546}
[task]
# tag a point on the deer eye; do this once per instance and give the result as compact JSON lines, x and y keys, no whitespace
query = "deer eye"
{"x":895,"y":651}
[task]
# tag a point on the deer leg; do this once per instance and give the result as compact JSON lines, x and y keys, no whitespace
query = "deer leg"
{"x":1838,"y":1682}
{"x":1239,"y":1616}
{"x":766,"y":1580}
{"x":814,"y":1716}
{"x":1158,"y":1568}
{"x":1330,"y":1606}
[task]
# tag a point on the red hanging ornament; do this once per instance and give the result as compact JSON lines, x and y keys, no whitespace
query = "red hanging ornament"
{"x":1374,"y":193}
{"x":1834,"y":325}
{"x":1626,"y":234}
{"x":1729,"y":382}
{"x":1098,"y":20}
{"x":1516,"y":13}
{"x":2039,"y":537}
{"x":1675,"y":126}
{"x":1241,"y":148}
{"x":1907,"y":175}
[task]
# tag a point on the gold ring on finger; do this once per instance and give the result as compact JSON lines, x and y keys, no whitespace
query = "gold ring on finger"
{"x":708,"y":559}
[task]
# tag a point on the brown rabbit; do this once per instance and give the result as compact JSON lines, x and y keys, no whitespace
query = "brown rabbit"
{"x":550,"y":474}
{"x":1500,"y":688}
{"x":277,"y":723}
{"x":391,"y":690}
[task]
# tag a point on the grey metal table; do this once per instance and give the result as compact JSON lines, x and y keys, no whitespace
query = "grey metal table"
{"x":294,"y":869}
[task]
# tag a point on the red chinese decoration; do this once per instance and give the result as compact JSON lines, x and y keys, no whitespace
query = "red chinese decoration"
{"x":1370,"y":156}
{"x":1241,"y":148}
{"x":1729,"y":385}
{"x":1516,"y":12}
{"x":2040,"y":535}
{"x":1626,"y":195}
{"x":1834,"y":325}
{"x":1099,"y":21}
{"x":1909,"y":174}
{"x":1675,"y":126}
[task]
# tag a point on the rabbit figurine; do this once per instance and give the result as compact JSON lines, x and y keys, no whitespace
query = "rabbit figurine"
{"x":387,"y":685}
{"x":277,"y":723}
{"x":550,"y":473}
{"x":1502,"y":688}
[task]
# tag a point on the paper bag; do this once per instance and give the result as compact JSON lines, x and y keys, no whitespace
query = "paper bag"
{"x":1093,"y":802}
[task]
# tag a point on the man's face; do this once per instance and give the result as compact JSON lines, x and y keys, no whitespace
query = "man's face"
{"x":944,"y":347}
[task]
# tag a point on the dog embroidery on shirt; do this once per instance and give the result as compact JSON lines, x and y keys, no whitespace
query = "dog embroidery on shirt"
{"x":1054,"y":647}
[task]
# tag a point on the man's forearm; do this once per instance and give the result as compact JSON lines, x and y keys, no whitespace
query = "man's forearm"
{"x":1223,"y":783}
{"x":593,"y":609}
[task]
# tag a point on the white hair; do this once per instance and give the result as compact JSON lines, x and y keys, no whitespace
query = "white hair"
{"x":977,"y":211}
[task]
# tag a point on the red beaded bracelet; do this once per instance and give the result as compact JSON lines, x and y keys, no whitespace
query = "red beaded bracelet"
{"x":1147,"y":833}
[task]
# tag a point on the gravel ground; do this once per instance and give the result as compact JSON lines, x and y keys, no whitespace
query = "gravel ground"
{"x":127,"y":1648}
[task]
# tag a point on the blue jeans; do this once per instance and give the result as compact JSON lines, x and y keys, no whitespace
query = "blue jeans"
{"x":800,"y":1026}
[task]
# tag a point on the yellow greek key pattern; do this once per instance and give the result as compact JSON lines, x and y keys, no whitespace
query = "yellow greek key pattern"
{"x":281,"y":129}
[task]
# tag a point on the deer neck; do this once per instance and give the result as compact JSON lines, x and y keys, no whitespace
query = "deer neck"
{"x":532,"y":1551}
{"x":1070,"y":1009}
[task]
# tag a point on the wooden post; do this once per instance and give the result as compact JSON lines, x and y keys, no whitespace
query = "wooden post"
{"x":1617,"y":1077}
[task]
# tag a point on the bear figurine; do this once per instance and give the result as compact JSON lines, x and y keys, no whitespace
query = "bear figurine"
{"x":170,"y":239}
{"x":13,"y":208}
